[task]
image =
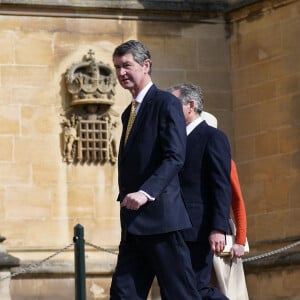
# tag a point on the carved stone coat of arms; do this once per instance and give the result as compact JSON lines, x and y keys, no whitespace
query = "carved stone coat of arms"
{"x":88,"y":128}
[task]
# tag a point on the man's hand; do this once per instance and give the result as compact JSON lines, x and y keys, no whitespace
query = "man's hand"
{"x":134,"y":201}
{"x":217,"y":241}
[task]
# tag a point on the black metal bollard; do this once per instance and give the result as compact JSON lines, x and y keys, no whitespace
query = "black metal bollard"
{"x":80,"y":290}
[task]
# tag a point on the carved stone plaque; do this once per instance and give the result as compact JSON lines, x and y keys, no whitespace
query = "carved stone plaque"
{"x":88,"y":129}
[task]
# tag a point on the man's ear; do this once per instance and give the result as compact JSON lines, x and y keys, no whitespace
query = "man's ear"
{"x":147,"y":64}
{"x":192,"y":105}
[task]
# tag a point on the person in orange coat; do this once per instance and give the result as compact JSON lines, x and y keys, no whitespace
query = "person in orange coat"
{"x":229,"y":270}
{"x":239,"y":213}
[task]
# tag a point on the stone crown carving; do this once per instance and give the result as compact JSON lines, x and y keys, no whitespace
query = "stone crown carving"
{"x":91,"y":82}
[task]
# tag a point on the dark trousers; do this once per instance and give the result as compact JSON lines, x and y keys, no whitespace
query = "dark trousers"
{"x":202,"y":262}
{"x":165,"y":256}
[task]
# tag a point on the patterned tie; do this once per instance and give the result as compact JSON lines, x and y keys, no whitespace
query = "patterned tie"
{"x":131,"y":119}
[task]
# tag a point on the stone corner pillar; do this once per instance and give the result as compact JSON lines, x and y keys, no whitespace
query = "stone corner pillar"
{"x":7,"y":261}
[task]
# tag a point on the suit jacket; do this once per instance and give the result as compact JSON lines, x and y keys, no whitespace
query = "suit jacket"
{"x":205,"y":182}
{"x":150,"y":161}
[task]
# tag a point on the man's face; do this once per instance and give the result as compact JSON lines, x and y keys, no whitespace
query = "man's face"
{"x":130,"y":74}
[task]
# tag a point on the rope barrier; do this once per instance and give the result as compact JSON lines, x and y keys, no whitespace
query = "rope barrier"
{"x":270,"y":253}
{"x":101,"y":248}
{"x":33,"y":266}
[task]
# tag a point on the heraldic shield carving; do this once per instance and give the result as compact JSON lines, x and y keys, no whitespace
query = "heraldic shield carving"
{"x":88,"y":127}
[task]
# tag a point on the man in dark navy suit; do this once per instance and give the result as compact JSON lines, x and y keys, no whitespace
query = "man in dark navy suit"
{"x":205,"y":183}
{"x":151,"y":153}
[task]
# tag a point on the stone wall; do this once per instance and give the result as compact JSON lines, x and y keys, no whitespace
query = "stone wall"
{"x":265,"y":70}
{"x":265,"y":93}
{"x":248,"y":66}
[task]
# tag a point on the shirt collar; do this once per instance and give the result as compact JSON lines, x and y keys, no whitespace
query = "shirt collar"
{"x":139,"y":98}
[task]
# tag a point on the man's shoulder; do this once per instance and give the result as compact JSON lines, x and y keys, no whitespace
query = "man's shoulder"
{"x":161,"y":93}
{"x":210,"y":132}
{"x":214,"y":131}
{"x":162,"y":97}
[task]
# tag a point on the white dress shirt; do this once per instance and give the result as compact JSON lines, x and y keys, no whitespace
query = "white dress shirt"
{"x":140,"y":97}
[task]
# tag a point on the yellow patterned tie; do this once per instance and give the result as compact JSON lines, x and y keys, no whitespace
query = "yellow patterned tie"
{"x":131,"y":119}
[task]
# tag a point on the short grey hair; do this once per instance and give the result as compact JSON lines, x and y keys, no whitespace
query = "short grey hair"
{"x":188,"y":92}
{"x":139,"y":52}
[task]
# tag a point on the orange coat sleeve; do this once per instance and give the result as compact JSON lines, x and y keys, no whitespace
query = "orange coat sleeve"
{"x":238,"y":206}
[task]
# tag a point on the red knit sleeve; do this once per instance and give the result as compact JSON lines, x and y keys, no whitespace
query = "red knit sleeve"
{"x":238,"y":206}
